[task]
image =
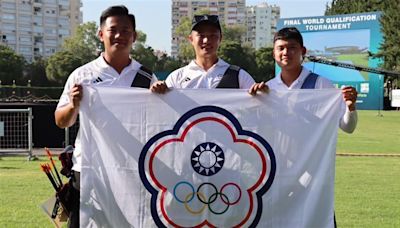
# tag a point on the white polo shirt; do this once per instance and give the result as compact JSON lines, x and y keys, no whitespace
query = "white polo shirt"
{"x":194,"y":77}
{"x":348,"y":121}
{"x":97,"y":72}
{"x":277,"y":83}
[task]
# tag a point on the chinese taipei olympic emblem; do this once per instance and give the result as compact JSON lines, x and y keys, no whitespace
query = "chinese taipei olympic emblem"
{"x":207,"y":171}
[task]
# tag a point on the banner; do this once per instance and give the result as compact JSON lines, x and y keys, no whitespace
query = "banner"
{"x":208,"y":158}
{"x":395,"y":98}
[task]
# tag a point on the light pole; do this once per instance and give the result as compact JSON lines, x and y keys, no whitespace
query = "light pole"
{"x":380,"y":96}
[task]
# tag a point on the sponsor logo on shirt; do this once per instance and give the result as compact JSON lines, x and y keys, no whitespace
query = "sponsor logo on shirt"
{"x":98,"y":79}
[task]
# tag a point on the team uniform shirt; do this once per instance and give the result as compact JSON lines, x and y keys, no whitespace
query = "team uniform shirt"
{"x":348,"y":121}
{"x":97,"y":72}
{"x":194,"y":77}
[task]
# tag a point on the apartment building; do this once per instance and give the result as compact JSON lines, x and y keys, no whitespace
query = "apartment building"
{"x":38,"y":27}
{"x":261,"y":24}
{"x":230,"y":12}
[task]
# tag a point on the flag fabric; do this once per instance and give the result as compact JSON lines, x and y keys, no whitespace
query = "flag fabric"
{"x":208,"y":158}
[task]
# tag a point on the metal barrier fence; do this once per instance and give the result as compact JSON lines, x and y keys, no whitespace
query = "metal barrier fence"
{"x":16,"y":131}
{"x":71,"y":133}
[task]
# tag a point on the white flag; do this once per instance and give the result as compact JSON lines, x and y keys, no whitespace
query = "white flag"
{"x":208,"y":158}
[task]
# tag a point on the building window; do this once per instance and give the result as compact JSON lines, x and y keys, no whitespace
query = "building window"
{"x":50,"y":50}
{"x":38,"y":29}
{"x":38,"y":39}
{"x":25,"y":18}
{"x":8,"y":17}
{"x":50,"y":31}
{"x":9,"y":27}
{"x":8,"y":5}
{"x":25,"y":49}
{"x":26,"y":29}
{"x":64,"y":32}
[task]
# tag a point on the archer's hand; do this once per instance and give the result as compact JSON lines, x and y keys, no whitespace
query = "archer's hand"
{"x":350,"y":96}
{"x":76,"y":95}
{"x":159,"y":87}
{"x":262,"y":87}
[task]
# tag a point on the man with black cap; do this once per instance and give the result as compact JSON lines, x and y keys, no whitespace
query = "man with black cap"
{"x":207,"y":70}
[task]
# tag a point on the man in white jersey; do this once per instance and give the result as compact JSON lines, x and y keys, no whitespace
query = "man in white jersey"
{"x":288,"y":53}
{"x":206,"y":70}
{"x":113,"y":68}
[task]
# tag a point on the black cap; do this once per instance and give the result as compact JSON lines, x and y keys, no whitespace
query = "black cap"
{"x":205,"y":19}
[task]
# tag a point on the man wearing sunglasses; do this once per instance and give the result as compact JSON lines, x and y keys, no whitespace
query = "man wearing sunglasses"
{"x":206,"y":70}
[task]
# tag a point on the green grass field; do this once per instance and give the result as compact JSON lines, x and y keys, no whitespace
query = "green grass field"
{"x":367,"y":191}
{"x":357,"y":59}
{"x":374,"y":134}
{"x":23,"y":187}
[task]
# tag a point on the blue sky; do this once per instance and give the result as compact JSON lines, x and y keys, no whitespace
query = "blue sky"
{"x":153,"y":17}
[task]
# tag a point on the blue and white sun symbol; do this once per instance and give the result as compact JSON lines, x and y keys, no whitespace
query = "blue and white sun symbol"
{"x":207,"y":159}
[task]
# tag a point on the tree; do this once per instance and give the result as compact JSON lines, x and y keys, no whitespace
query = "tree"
{"x":390,"y":22}
{"x":11,"y":65}
{"x":167,"y":64}
{"x":36,"y":72}
{"x":144,"y":55}
{"x":186,"y":51}
{"x":265,"y":64}
{"x":61,"y":65}
{"x":141,"y":37}
{"x":76,"y":50}
{"x":233,"y":33}
{"x":85,"y":43}
{"x":234,"y":53}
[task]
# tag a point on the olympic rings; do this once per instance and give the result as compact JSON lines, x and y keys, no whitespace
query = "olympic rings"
{"x":238,"y":188}
{"x":190,"y":195}
{"x":211,"y":199}
{"x":227,"y":204}
{"x":186,"y":200}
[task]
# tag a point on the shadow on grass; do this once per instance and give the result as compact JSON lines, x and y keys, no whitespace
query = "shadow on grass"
{"x":9,"y":168}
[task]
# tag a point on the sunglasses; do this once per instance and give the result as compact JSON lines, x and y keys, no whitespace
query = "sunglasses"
{"x":212,"y":18}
